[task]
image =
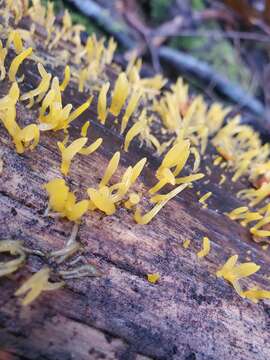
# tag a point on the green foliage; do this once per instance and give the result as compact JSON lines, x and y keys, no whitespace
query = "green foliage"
{"x":57,"y":4}
{"x":159,"y":9}
{"x":197,"y":5}
{"x":220,"y":54}
{"x":188,"y":43}
{"x":78,"y":18}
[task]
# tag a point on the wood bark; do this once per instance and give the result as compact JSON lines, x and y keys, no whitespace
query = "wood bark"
{"x":189,"y":314}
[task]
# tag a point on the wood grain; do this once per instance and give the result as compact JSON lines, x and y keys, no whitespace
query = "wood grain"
{"x":189,"y":314}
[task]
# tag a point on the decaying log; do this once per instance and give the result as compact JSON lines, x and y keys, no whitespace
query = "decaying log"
{"x":188,"y":314}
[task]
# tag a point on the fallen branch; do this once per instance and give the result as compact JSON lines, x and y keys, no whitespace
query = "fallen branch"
{"x":186,"y":63}
{"x":214,"y":34}
{"x":103,"y":20}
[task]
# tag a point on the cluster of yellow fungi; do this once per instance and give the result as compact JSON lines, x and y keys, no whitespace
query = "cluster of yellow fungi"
{"x":137,"y":105}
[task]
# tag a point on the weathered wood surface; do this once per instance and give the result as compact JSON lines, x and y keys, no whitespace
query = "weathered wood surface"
{"x":188,"y":315}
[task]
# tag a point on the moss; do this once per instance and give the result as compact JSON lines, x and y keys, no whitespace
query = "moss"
{"x":198,"y":5}
{"x":159,"y":9}
{"x":58,"y":4}
{"x":80,"y":19}
{"x":221,"y":54}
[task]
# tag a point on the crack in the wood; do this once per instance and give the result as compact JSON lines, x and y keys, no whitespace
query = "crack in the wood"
{"x":121,"y":265}
{"x":19,"y":201}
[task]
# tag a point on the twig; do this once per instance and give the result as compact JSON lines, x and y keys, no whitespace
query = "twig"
{"x":214,"y":14}
{"x":103,"y":19}
{"x":34,"y":252}
{"x":81,"y":271}
{"x":70,"y":247}
{"x":216,"y":35}
{"x":130,"y":14}
{"x":187,"y":63}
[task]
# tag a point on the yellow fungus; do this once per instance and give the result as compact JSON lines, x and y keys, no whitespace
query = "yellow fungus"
{"x":137,"y":169}
{"x":256,"y":195}
{"x":255,"y":230}
{"x":16,"y":62}
{"x":58,"y":117}
{"x":67,"y":20}
{"x":80,"y":110}
{"x":189,"y":179}
{"x":153,"y":84}
{"x":3,"y":54}
{"x":265,"y":210}
{"x":49,"y":22}
{"x":69,"y":152}
{"x":22,"y":138}
{"x":14,"y":248}
{"x":42,"y":87}
{"x":35,"y":285}
{"x":250,"y":217}
{"x":183,"y":148}
{"x":66,"y":79}
{"x":256,"y":294}
{"x":205,"y":248}
{"x":217,"y":160}
{"x":85,"y":128}
{"x":186,"y":243}
{"x":120,"y":94}
{"x":206,"y":196}
{"x":91,"y":148}
{"x":197,"y":157}
{"x":102,"y":103}
{"x":74,"y":211}
{"x":238,"y":213}
{"x":131,"y":107}
{"x":233,"y":273}
{"x":29,"y":136}
{"x":135,"y":130}
{"x":101,"y":199}
{"x":48,"y":101}
{"x":263,"y":221}
{"x":58,"y":192}
{"x":133,"y":200}
{"x":222,"y":179}
{"x":260,"y":233}
{"x":165,"y":176}
{"x":83,"y":76}
{"x":110,"y":170}
{"x":187,"y":122}
{"x":153,"y":278}
{"x":62,"y":201}
{"x":15,"y":38}
{"x":119,"y":190}
{"x":172,"y":158}
{"x":145,"y":219}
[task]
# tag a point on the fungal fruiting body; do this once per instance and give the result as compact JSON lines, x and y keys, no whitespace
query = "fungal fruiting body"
{"x":14,"y":248}
{"x":174,"y":126}
{"x":63,"y":202}
{"x":35,"y":285}
{"x":153,"y":278}
{"x":233,"y":272}
{"x":205,"y":248}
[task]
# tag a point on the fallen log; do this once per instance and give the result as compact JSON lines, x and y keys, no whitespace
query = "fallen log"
{"x":188,"y":314}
